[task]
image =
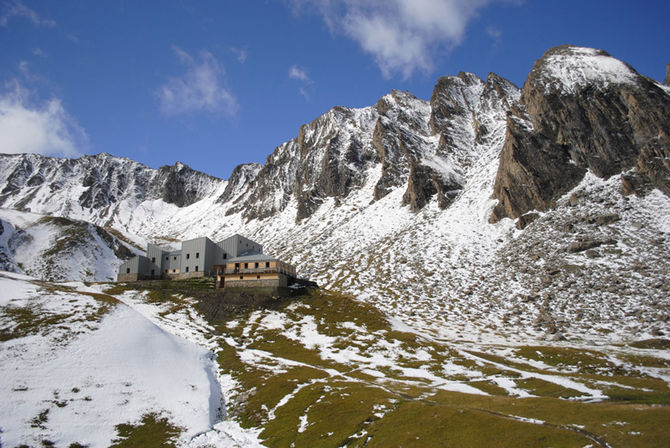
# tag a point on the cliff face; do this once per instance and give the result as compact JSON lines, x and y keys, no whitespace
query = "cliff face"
{"x":400,"y":142}
{"x":580,"y":110}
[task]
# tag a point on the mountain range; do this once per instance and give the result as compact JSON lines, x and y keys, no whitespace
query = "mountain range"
{"x":486,"y":212}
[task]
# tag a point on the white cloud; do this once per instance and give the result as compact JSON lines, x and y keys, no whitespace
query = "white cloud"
{"x":37,"y":128}
{"x":16,"y":8}
{"x":401,"y":35}
{"x":298,"y":73}
{"x":240,"y":53}
{"x":201,"y":88}
{"x":494,"y":32}
{"x":24,"y":68}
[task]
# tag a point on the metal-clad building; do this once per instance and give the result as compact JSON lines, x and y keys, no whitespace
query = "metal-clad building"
{"x":236,"y":245}
{"x":199,"y":255}
{"x":196,"y":258}
{"x":172,"y":263}
{"x":137,"y":268}
{"x":156,"y":256}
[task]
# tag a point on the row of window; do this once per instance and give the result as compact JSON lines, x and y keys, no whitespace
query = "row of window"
{"x":256,"y":265}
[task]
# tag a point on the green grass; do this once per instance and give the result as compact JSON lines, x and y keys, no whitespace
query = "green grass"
{"x":29,"y":320}
{"x":342,"y":409}
{"x":153,"y":431}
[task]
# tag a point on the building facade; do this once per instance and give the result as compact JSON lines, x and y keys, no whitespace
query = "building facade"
{"x":255,"y":271}
{"x":196,"y":258}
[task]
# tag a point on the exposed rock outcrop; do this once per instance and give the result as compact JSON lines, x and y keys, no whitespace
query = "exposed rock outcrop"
{"x":580,"y":109}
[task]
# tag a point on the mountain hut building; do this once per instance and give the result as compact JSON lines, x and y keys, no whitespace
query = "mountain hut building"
{"x":235,"y":261}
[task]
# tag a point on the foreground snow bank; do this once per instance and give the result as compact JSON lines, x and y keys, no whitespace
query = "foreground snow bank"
{"x":74,"y":381}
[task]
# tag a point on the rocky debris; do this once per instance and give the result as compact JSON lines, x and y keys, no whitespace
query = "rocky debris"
{"x":526,"y":219}
{"x":607,"y":218}
{"x":605,"y":121}
{"x":587,"y":243}
{"x":635,"y":183}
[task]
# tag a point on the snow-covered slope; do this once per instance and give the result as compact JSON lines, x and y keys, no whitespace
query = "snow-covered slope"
{"x":56,"y":249}
{"x":76,"y":363}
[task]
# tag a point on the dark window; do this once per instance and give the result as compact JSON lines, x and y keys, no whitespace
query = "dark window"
{"x":167,"y":258}
{"x":256,"y":265}
{"x":153,"y":259}
{"x":258,"y":277}
{"x":152,"y":272}
{"x":246,"y":265}
{"x":241,"y":277}
{"x":197,"y":255}
{"x":127,"y":270}
{"x":186,"y":268}
{"x":267,"y":264}
{"x":225,"y":256}
{"x":166,"y":270}
{"x":196,"y":269}
{"x":175,"y":258}
{"x":174,"y":270}
{"x":188,"y":256}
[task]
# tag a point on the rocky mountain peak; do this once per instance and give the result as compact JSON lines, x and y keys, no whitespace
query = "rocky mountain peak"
{"x":580,"y":109}
{"x":569,"y":69}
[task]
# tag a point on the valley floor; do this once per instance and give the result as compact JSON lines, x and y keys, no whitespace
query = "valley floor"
{"x":102,"y":364}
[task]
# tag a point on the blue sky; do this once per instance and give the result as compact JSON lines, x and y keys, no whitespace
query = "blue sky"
{"x":217,"y":83}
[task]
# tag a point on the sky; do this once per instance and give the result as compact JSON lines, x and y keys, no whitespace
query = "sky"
{"x":217,"y":83}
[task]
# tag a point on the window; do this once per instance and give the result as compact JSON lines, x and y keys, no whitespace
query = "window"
{"x":167,"y":258}
{"x":197,"y":255}
{"x":246,"y":265}
{"x":127,"y":270}
{"x":174,"y":270}
{"x":241,"y":277}
{"x":175,"y":258}
{"x":196,"y":269}
{"x":256,"y":265}
{"x":188,"y":256}
{"x":258,"y":277}
{"x":186,"y":268}
{"x":166,"y":271}
{"x":152,"y":272}
{"x":153,"y":259}
{"x":267,"y":264}
{"x":225,"y":256}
